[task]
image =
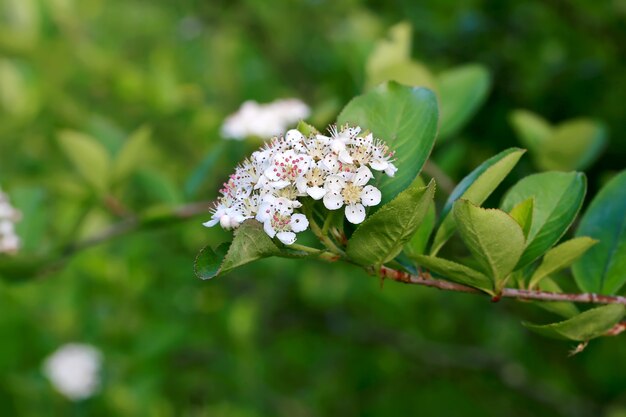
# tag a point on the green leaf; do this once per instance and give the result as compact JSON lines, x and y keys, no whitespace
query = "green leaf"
{"x":532,"y":129}
{"x":475,"y":187}
{"x":306,"y":129}
{"x":560,"y":257}
{"x":382,"y":235}
{"x":583,"y":327}
{"x":565,"y":309}
{"x":88,"y":156}
{"x":558,"y":197}
{"x":418,"y":242}
{"x":462,"y":91}
{"x":407,"y":72}
{"x":523,"y":214}
{"x":492,"y":236}
{"x":575,"y":144}
{"x":603,"y":268}
{"x":456,"y":272}
{"x":404,"y":117}
{"x":131,"y":153}
{"x":396,"y":48}
{"x":249,"y":244}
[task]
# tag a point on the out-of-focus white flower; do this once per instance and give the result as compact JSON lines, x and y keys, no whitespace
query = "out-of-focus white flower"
{"x":9,"y":241}
{"x":74,"y":370}
{"x":269,"y":185}
{"x":264,"y":120}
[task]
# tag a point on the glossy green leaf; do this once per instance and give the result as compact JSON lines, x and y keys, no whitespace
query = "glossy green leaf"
{"x":382,"y":235}
{"x":250,"y":243}
{"x":131,"y":154}
{"x":523,"y":214}
{"x":462,"y":91}
{"x":583,"y":327}
{"x":493,"y":237}
{"x":404,"y":117}
{"x":603,"y":268}
{"x":88,"y":156}
{"x":561,"y":256}
{"x":456,"y":272}
{"x":475,"y":187}
{"x":558,"y":197}
{"x":532,"y":129}
{"x":575,"y":144}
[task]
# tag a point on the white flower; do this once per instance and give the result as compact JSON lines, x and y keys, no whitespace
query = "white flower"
{"x":354,"y":193}
{"x":270,"y":184}
{"x":264,"y":120}
{"x":74,"y":370}
{"x":9,"y":240}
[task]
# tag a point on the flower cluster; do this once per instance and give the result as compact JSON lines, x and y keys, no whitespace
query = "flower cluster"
{"x":74,"y":370}
{"x":9,"y":241}
{"x":335,"y":169}
{"x":264,"y":120}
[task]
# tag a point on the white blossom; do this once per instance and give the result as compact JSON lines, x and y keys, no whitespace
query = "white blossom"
{"x":9,"y":240}
{"x":264,"y":120}
{"x":270,"y":185}
{"x":74,"y":370}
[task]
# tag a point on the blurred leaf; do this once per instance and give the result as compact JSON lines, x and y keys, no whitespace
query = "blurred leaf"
{"x":561,"y":256}
{"x":462,"y":91}
{"x":202,"y":172}
{"x":603,"y":268}
{"x":31,"y":229}
{"x":410,"y":73}
{"x":158,"y":186}
{"x":88,"y":156}
{"x":492,"y":236}
{"x":404,"y":117}
{"x":395,"y":49}
{"x":574,"y":145}
{"x":456,"y":272}
{"x":475,"y":187}
{"x":382,"y":235}
{"x":562,"y":308}
{"x":131,"y":154}
{"x":250,"y":243}
{"x":583,"y":327}
{"x":531,"y":128}
{"x":306,"y":129}
{"x":523,"y":214}
{"x":558,"y":197}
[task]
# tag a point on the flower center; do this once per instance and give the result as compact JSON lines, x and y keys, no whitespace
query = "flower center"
{"x":281,"y":223}
{"x":315,"y":177}
{"x":351,"y":194}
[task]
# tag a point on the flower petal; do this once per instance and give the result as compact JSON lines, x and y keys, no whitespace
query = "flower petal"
{"x":362,"y":176}
{"x":379,"y":164}
{"x":391,"y":170}
{"x":316,"y":193}
{"x":355,"y":213}
{"x":299,"y":222}
{"x":211,"y":222}
{"x":267,"y":226}
{"x":344,"y":156}
{"x":294,"y":135}
{"x":287,"y":238}
{"x":370,"y":195}
{"x":333,"y":201}
{"x":335,"y":183}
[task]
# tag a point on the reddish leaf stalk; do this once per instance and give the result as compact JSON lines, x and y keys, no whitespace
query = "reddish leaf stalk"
{"x":428,"y":281}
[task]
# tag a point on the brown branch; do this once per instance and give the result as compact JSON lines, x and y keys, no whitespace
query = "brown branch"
{"x":426,"y":280}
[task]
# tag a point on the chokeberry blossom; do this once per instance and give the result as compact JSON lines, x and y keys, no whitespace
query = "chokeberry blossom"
{"x":264,"y":120}
{"x":272,"y":184}
{"x":9,"y":240}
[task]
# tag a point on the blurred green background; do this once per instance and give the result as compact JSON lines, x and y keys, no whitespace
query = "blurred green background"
{"x":279,"y":337}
